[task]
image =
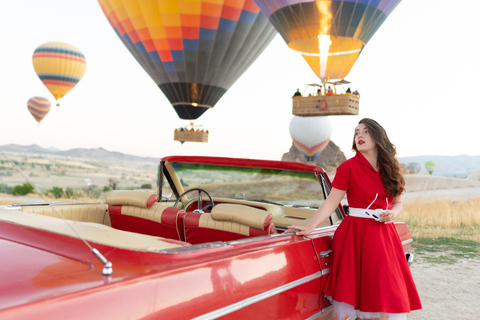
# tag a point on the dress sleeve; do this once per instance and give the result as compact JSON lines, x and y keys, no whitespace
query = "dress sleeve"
{"x":341,"y":180}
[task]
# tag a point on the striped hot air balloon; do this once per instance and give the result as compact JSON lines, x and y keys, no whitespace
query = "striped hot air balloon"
{"x":193,"y":50}
{"x":329,"y":34}
{"x":60,"y":66}
{"x":38,"y":107}
{"x":310,"y":135}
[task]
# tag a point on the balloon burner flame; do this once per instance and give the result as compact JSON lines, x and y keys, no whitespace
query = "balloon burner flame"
{"x":324,"y":43}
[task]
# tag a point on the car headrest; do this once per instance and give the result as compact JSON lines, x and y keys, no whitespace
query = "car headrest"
{"x":137,"y":198}
{"x":252,"y":217}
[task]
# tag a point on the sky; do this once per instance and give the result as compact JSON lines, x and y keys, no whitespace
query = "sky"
{"x":418,"y":77}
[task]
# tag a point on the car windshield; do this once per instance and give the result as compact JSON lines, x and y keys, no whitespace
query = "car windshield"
{"x":285,"y":187}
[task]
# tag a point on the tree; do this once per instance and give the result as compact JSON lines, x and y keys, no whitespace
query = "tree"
{"x":112,"y":183}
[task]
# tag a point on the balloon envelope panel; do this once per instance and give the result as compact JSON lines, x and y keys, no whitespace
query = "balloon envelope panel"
{"x":349,"y":23}
{"x":193,"y":50}
{"x":60,"y":66}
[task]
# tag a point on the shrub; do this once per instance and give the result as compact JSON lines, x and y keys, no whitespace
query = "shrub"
{"x":21,"y":190}
{"x":69,"y":192}
{"x":57,"y":192}
{"x":5,"y":188}
{"x":146,"y":186}
{"x":93,"y":193}
{"x":106,"y":189}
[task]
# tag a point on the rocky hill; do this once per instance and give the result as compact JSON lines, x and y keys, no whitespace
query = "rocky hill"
{"x":80,"y":154}
{"x":329,"y":159}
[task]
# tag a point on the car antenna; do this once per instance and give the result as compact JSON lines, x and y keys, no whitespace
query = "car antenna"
{"x":107,"y":265}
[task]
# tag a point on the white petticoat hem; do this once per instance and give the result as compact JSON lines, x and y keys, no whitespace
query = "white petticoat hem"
{"x":344,"y":310}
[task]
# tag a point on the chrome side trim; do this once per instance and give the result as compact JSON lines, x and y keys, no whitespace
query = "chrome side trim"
{"x":13,"y":207}
{"x":407,"y":241}
{"x":259,"y":297}
{"x":316,"y":315}
{"x":325,"y":271}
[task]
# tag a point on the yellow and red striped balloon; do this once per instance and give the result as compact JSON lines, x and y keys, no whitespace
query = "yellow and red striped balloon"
{"x":60,"y":66}
{"x":38,"y":107}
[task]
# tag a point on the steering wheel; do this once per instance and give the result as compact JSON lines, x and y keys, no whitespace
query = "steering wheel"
{"x":200,"y":209}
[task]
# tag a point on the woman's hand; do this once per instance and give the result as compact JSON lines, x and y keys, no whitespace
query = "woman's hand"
{"x":302,"y":230}
{"x":387,"y":217}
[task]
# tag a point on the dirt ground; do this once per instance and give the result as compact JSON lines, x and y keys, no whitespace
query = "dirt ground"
{"x":447,"y":291}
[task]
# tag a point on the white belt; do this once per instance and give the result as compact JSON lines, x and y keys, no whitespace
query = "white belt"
{"x":365,"y":213}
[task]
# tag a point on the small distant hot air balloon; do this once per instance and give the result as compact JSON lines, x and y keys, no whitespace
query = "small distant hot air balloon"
{"x":430,"y":165}
{"x":60,"y":66}
{"x":310,"y":134}
{"x":38,"y":107}
{"x":193,"y":50}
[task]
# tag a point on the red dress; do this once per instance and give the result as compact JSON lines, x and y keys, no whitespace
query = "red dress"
{"x":369,"y":274}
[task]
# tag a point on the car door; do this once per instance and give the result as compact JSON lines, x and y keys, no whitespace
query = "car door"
{"x":322,"y":243}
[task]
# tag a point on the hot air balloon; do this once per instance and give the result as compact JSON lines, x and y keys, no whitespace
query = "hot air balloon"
{"x":430,"y":165}
{"x":193,"y":50}
{"x":60,"y":66}
{"x":310,"y":135}
{"x":329,"y":34}
{"x":38,"y":107}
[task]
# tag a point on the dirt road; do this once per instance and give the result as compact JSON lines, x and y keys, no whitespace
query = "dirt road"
{"x":448,"y":291}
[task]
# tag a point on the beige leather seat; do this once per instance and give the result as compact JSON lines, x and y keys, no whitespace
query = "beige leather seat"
{"x":227,"y":222}
{"x":137,"y":211}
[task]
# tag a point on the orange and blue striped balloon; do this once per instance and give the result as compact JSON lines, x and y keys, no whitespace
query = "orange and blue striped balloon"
{"x":340,"y":29}
{"x":193,"y":50}
{"x":60,"y":66}
{"x":38,"y":107}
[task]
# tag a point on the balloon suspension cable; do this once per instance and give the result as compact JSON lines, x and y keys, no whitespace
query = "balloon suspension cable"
{"x":107,"y":265}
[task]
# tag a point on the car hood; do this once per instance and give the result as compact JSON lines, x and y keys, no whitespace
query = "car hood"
{"x":28,"y":274}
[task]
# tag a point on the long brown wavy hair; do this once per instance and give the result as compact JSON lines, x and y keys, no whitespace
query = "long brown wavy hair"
{"x":390,"y":167}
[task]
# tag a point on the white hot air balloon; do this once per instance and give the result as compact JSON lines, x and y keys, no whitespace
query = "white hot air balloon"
{"x":310,"y":134}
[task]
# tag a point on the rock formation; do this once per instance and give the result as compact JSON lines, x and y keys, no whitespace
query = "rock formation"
{"x":329,"y":159}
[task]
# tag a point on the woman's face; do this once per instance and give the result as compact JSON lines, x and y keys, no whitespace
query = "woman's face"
{"x":363,"y":140}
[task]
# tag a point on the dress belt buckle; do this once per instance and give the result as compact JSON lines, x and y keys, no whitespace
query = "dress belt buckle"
{"x":377,"y":214}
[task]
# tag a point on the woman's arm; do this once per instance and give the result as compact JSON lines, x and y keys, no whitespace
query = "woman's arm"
{"x":390,"y":215}
{"x":323,"y":212}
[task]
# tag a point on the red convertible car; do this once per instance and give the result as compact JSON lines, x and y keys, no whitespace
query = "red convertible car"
{"x":210,"y":243}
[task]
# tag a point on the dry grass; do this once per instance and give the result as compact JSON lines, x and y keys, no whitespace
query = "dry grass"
{"x":443,"y":218}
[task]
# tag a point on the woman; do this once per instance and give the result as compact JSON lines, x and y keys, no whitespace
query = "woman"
{"x":369,"y":275}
